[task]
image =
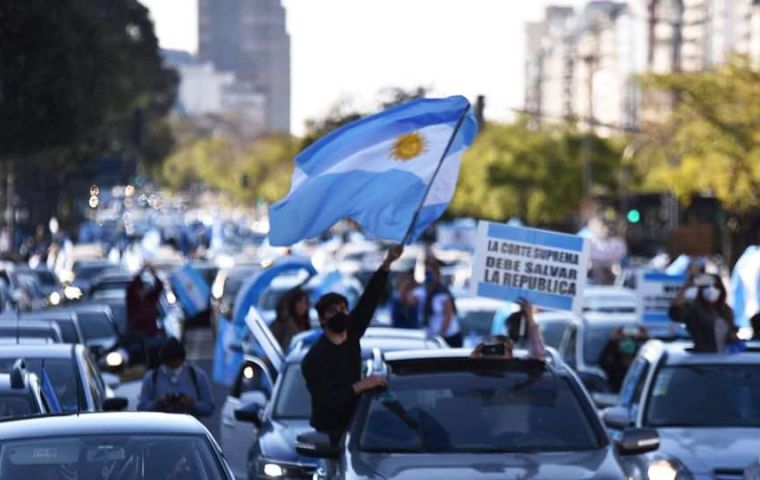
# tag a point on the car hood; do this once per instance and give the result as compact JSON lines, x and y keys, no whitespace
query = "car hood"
{"x":703,"y":450}
{"x":277,"y":441}
{"x":597,"y":464}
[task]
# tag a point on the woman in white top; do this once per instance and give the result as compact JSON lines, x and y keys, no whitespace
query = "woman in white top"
{"x":438,"y":311}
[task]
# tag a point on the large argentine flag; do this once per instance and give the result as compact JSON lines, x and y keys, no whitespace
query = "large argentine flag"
{"x":376,"y":172}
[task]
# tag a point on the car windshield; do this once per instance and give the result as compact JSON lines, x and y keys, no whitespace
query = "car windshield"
{"x":293,"y":399}
{"x":478,"y":321}
{"x":68,"y":331}
{"x":505,"y":411}
{"x":609,"y":304}
{"x":61,"y":374}
{"x":108,"y":457}
{"x":95,"y":325}
{"x":45,"y":278}
{"x":553,"y":333}
{"x":17,"y":405}
{"x":88,"y":272}
{"x":686,"y":396}
{"x":597,"y":337}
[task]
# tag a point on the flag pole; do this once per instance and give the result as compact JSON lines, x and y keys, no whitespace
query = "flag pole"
{"x":435,"y":174}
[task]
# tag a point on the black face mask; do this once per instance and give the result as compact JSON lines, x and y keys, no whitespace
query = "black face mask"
{"x":338,"y":323}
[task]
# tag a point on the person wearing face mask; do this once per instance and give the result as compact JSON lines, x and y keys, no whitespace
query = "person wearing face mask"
{"x":438,"y":310}
{"x":176,"y":386}
{"x":332,"y":368}
{"x":619,"y":353}
{"x":143,"y":295}
{"x":707,"y":318}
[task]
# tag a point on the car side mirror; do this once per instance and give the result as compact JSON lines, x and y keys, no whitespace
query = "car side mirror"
{"x":617,"y":418}
{"x":116,"y":404}
{"x":250,"y":413}
{"x":636,"y":441}
{"x":316,"y":445}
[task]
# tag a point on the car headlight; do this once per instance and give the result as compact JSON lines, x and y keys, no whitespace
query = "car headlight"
{"x":72,"y":293}
{"x":171,"y":298}
{"x":272,"y":470}
{"x":667,"y":469}
{"x":114,"y":359}
{"x":55,"y":298}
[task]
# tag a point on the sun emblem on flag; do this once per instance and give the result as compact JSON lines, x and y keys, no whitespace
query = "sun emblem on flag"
{"x":409,"y":146}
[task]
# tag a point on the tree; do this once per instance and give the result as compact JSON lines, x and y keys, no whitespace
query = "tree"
{"x":512,"y":170}
{"x":711,"y":140}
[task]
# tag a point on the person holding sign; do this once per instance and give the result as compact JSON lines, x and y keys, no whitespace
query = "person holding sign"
{"x":501,"y":346}
{"x":708,"y":319}
{"x":332,"y":368}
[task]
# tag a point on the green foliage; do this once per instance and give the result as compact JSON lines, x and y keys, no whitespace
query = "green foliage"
{"x":261,"y":169}
{"x":710,"y":143}
{"x":536,"y":175}
{"x":81,"y":73}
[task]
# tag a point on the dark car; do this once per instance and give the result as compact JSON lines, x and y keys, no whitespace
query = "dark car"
{"x":86,"y":271}
{"x":77,"y":382}
{"x":446,"y":415}
{"x":100,"y":334}
{"x":280,"y":416}
{"x":48,"y":281}
{"x":110,"y":446}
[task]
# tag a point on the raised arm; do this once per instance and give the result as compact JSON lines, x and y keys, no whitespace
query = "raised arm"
{"x":362,"y":314}
{"x":536,"y":347}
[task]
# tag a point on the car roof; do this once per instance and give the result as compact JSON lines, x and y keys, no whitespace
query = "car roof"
{"x":29,"y":324}
{"x":55,"y":350}
{"x":609,"y":291}
{"x":480,"y":303}
{"x":85,"y":307}
{"x":100,"y":423}
{"x":589,"y":318}
{"x":6,"y":389}
{"x":457,"y":358}
{"x":679,"y":353}
{"x":51,"y":315}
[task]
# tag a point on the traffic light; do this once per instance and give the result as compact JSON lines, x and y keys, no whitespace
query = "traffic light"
{"x":633,"y":216}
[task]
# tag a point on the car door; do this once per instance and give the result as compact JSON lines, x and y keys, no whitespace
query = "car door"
{"x":253,"y":381}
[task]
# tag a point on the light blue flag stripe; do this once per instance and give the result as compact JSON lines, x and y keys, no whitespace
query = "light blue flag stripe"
{"x":336,"y":145}
{"x":370,"y":188}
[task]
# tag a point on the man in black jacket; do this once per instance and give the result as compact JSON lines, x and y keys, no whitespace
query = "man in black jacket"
{"x":332,"y":368}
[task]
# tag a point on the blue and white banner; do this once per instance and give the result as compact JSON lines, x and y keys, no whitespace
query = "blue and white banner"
{"x":745,"y":286}
{"x":656,"y":291}
{"x":384,"y":172}
{"x":547,"y":268}
{"x":191,"y":290}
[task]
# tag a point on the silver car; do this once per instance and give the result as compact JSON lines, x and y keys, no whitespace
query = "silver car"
{"x":706,"y":408}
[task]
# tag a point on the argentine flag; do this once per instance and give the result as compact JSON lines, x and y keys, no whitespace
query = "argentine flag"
{"x":393,"y":173}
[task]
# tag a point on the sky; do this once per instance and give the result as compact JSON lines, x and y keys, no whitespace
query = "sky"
{"x":348,"y":50}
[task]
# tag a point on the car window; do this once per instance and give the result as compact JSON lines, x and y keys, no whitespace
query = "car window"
{"x":568,"y":346}
{"x":293,"y":399}
{"x":251,"y":377}
{"x":505,"y":412}
{"x":95,"y":325}
{"x":595,"y":340}
{"x":94,"y":383}
{"x":112,"y":456}
{"x":61,"y":372}
{"x":630,"y":393}
{"x":705,"y":396}
{"x":553,"y":332}
{"x":478,"y":321}
{"x":17,"y":405}
{"x":68,"y":331}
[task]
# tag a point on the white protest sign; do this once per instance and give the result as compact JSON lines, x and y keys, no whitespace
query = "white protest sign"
{"x":656,"y":291}
{"x":547,"y":268}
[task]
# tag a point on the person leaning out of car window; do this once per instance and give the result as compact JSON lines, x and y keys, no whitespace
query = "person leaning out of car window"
{"x":502,"y":346}
{"x":701,"y":306}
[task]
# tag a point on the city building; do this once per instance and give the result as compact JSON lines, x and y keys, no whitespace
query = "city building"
{"x":585,"y":65}
{"x":249,"y":38}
